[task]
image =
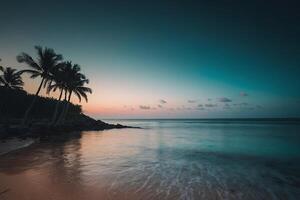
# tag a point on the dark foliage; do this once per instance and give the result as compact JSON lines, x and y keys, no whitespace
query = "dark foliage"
{"x":13,"y":104}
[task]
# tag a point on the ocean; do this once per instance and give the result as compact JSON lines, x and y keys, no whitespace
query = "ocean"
{"x":166,"y":159}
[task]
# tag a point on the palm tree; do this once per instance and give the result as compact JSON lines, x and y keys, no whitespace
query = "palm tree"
{"x":78,"y":88}
{"x":46,"y":61}
{"x":11,"y":78}
{"x":58,"y":77}
{"x":74,"y":83}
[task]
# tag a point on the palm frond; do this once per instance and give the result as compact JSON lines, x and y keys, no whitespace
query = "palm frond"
{"x":11,"y":78}
{"x":85,"y":89}
{"x":30,"y":71}
{"x":2,"y":81}
{"x":25,"y":58}
{"x":83,"y":95}
{"x":78,"y":95}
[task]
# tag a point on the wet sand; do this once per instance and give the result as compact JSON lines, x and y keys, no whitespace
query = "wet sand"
{"x":13,"y":144}
{"x":33,"y":186}
{"x":35,"y":176}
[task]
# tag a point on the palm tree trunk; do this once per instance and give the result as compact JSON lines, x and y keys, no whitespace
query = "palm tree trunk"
{"x":65,"y":110}
{"x":32,"y":104}
{"x":56,"y":107}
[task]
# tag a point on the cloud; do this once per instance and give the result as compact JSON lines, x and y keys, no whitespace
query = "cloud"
{"x":224,"y":100}
{"x":227,"y":106}
{"x":160,"y":106}
{"x":241,"y":104}
{"x":162,"y":101}
{"x":144,"y":107}
{"x":243,"y":94}
{"x":259,"y":106}
{"x":210,"y":105}
{"x":192,"y":101}
{"x":128,"y":107}
{"x":200,"y":105}
{"x":209,"y":99}
{"x":200,"y":108}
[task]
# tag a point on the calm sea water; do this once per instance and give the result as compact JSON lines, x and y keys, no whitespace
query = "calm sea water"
{"x":168,"y":159}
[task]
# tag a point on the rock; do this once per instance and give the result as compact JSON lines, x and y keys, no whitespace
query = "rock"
{"x":42,"y":128}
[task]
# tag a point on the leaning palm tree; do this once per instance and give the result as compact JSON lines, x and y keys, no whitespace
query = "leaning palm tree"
{"x":70,"y":71}
{"x":74,"y":84}
{"x":78,"y":88}
{"x":58,"y":82}
{"x":41,"y":67}
{"x":11,"y":78}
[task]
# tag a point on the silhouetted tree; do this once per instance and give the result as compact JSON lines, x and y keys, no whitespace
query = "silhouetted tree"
{"x":74,"y":83}
{"x":47,"y":60}
{"x":13,"y":104}
{"x":11,"y":78}
{"x":58,"y":82}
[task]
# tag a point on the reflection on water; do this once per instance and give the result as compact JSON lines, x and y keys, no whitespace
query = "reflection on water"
{"x":168,"y":160}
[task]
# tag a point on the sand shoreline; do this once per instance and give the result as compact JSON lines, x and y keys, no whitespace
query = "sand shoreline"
{"x":14,"y":144}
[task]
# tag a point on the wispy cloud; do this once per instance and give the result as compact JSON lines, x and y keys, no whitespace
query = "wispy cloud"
{"x":224,"y":99}
{"x":143,"y":107}
{"x":209,"y":99}
{"x":227,"y":106}
{"x":162,"y":101}
{"x":210,"y":105}
{"x":128,"y":107}
{"x":200,"y":105}
{"x":241,"y":104}
{"x":259,"y":106}
{"x":243,"y":94}
{"x":160,"y":106}
{"x":192,"y":101}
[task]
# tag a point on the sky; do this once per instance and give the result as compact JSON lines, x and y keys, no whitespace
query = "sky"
{"x":167,"y":59}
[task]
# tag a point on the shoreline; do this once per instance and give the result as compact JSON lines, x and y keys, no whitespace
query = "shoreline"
{"x":14,"y":137}
{"x":41,"y":128}
{"x":15,"y":144}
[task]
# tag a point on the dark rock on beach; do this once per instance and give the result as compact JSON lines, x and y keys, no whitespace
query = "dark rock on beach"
{"x":38,"y":128}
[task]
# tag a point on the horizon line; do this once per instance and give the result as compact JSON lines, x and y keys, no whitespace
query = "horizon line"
{"x":234,"y":118}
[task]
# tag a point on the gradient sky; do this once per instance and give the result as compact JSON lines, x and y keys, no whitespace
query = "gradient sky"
{"x":168,"y":59}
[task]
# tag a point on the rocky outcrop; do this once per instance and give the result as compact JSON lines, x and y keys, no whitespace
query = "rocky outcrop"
{"x":41,"y":127}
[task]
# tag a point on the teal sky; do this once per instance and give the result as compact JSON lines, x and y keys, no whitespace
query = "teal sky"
{"x":216,"y":59}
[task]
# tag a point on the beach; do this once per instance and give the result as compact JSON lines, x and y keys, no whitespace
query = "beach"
{"x":150,"y":100}
{"x":168,"y":159}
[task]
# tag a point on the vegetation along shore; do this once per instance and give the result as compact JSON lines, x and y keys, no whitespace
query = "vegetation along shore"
{"x":24,"y":114}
